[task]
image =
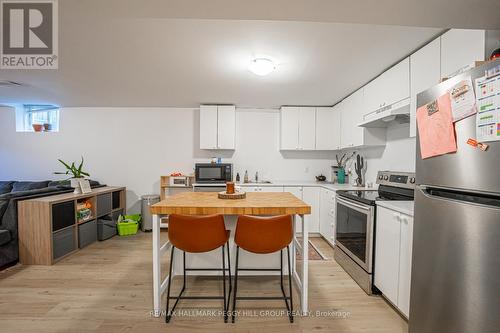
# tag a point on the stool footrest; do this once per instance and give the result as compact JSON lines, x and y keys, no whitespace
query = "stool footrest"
{"x":206,"y":269}
{"x":260,"y":269}
{"x":196,"y":297}
{"x":259,"y":298}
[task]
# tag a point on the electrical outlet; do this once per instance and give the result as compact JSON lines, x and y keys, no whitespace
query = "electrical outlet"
{"x":306,"y":170}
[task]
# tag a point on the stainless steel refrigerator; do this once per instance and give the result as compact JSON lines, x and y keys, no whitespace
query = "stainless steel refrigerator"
{"x":455,"y":280}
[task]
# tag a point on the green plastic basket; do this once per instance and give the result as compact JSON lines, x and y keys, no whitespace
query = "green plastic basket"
{"x":128,"y":224}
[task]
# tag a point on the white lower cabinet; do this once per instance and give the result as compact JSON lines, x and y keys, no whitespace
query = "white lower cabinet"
{"x":405,"y":264}
{"x":394,"y":237}
{"x":310,"y":195}
{"x":297,"y":191}
{"x":271,"y":188}
{"x":327,"y":215}
{"x":262,"y":188}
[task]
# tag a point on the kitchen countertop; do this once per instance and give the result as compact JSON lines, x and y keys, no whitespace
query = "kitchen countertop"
{"x":205,"y":203}
{"x":405,"y":207}
{"x":328,"y":186}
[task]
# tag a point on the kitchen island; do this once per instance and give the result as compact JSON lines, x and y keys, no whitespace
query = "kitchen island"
{"x":205,"y":203}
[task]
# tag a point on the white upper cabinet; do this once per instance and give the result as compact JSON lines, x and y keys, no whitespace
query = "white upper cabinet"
{"x":425,"y":72}
{"x":327,"y":128}
{"x":217,"y":126}
{"x":352,"y":110}
{"x":352,"y":115}
{"x":390,"y":87}
{"x":307,"y":128}
{"x":298,"y":128}
{"x":459,"y":48}
{"x":226,"y":124}
{"x":397,"y":82}
{"x":208,"y":126}
{"x":289,"y":128}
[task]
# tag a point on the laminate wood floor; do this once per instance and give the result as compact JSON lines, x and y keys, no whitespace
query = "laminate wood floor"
{"x":107,"y":287}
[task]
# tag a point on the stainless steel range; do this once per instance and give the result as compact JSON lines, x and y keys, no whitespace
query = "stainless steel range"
{"x":355,"y":225}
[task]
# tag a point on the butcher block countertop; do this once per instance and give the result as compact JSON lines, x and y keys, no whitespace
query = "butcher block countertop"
{"x":205,"y":203}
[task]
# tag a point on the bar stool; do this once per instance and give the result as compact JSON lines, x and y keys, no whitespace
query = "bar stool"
{"x":264,"y":235}
{"x":198,"y":234}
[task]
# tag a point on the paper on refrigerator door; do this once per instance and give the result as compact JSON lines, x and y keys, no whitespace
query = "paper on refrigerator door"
{"x":488,"y":108}
{"x":463,"y":101}
{"x":435,"y":128}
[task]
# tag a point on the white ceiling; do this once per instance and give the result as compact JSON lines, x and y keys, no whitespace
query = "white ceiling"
{"x":183,"y":53}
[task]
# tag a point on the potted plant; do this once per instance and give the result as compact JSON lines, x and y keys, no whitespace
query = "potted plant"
{"x":76,"y":172}
{"x":341,"y":164}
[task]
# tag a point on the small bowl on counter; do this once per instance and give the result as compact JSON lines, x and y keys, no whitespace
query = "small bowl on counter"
{"x":320,"y":178}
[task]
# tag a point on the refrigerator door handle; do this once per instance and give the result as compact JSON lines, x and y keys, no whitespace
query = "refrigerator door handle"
{"x":483,"y":199}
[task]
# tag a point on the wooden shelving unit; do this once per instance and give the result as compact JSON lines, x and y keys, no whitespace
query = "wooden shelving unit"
{"x":166,"y":189}
{"x":49,"y":228}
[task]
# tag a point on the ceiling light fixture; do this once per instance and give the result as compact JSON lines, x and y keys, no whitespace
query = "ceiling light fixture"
{"x":261,"y":66}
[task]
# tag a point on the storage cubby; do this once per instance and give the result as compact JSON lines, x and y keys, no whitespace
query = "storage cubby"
{"x":54,"y":226}
{"x":63,"y":215}
{"x":116,"y":214}
{"x":63,"y":242}
{"x":104,"y":204}
{"x":117,"y":200}
{"x":85,"y":209}
{"x":87,"y":233}
{"x":106,"y":227}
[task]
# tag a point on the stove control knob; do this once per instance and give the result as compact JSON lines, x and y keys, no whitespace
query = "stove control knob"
{"x":386,"y":177}
{"x":380,"y":177}
{"x":412,"y":180}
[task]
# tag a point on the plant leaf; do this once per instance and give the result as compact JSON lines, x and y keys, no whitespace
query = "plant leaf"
{"x":66,"y":165}
{"x":80,"y":166}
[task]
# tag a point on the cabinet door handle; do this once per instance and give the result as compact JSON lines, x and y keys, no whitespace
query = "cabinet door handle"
{"x":397,"y":217}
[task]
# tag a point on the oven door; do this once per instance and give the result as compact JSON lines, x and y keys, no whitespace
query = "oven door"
{"x":354,"y":231}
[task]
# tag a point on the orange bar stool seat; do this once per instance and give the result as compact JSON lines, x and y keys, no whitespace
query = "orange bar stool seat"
{"x":198,"y":234}
{"x":264,"y":235}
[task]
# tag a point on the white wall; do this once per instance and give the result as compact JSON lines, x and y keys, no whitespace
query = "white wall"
{"x":397,"y":155}
{"x":134,"y":146}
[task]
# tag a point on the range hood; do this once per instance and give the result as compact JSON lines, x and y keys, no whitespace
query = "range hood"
{"x":398,"y":112}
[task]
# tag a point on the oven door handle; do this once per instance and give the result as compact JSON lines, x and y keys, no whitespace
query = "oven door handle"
{"x":353,"y":205}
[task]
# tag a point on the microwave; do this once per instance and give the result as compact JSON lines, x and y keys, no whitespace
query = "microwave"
{"x":213,"y":173}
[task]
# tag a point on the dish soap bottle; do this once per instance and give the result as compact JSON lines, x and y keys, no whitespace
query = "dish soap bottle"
{"x":245,"y":178}
{"x":237,"y":177}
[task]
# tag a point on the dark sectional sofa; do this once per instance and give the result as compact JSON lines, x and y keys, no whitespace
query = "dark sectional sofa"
{"x":11,"y":192}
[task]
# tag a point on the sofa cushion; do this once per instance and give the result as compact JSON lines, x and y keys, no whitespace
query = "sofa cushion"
{"x":6,"y":187}
{"x":26,"y":186}
{"x":4,"y":237}
{"x":66,"y":183}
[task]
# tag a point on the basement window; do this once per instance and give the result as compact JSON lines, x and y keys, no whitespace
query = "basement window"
{"x":39,"y":118}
